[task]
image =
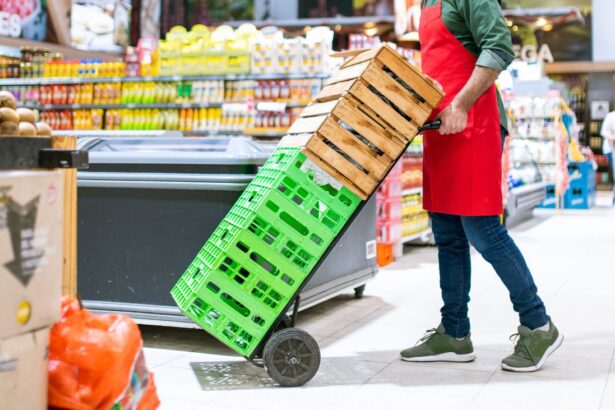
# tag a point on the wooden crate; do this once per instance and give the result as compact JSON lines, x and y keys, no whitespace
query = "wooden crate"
{"x":365,"y":116}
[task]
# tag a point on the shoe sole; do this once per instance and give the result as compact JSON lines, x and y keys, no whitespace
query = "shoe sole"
{"x":549,"y":352}
{"x":442,"y":357}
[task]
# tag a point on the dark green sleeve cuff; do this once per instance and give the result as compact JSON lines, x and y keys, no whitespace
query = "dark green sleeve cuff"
{"x":491,"y":59}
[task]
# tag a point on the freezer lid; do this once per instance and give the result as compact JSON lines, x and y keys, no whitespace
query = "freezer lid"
{"x":210,"y":151}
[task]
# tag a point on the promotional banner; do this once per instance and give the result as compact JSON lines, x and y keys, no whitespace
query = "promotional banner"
{"x":23,"y":18}
{"x":550,"y":30}
{"x":100,"y":25}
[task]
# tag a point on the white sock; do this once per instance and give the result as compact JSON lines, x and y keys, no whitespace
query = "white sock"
{"x":459,"y":339}
{"x":544,"y":328}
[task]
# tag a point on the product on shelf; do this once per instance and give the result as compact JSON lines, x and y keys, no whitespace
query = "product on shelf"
{"x":19,"y":121}
{"x":272,"y":53}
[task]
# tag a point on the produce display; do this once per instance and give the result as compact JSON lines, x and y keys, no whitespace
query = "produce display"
{"x":20,"y":121}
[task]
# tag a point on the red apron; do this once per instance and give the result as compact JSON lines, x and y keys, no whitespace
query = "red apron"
{"x":462,"y":172}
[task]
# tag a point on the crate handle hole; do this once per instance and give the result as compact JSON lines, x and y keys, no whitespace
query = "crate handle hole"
{"x":293,"y":223}
{"x":235,"y":304}
{"x":213,"y":287}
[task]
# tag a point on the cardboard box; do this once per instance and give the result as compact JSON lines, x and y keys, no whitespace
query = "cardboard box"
{"x":31,"y":224}
{"x":23,"y":371}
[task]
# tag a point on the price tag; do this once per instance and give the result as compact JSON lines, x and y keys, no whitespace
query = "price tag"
{"x":76,"y":106}
{"x":130,"y":105}
{"x":148,"y":78}
{"x":177,"y":78}
{"x":186,"y":105}
{"x":235,"y":107}
{"x":271,"y":106}
{"x":48,"y":106}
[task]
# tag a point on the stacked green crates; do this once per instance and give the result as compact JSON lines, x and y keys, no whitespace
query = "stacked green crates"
{"x":260,"y":254}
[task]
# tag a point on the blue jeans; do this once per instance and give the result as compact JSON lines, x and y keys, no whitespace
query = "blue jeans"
{"x":490,"y":238}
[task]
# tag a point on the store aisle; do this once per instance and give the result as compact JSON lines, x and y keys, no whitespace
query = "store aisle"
{"x":572,"y":257}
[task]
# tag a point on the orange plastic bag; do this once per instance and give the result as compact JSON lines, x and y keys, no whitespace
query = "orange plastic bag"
{"x":96,"y":363}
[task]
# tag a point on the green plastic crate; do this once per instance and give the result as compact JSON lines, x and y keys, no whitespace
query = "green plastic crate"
{"x":263,"y":250}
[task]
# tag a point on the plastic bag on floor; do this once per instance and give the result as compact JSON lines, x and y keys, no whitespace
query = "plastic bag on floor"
{"x":96,"y":363}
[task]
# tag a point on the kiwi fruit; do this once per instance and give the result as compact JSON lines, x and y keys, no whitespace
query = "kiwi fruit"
{"x":8,"y":114}
{"x":7,"y":100}
{"x":26,"y":115}
{"x":43,"y":129}
{"x":27,"y":129}
{"x":9,"y":128}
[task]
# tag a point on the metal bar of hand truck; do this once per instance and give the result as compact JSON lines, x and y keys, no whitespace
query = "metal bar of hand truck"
{"x":274,"y":326}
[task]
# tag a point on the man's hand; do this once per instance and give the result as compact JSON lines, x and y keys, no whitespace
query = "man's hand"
{"x":454,"y":119}
{"x":455,"y":116}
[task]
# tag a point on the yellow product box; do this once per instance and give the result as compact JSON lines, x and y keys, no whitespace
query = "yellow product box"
{"x":23,"y":371}
{"x":31,"y":224}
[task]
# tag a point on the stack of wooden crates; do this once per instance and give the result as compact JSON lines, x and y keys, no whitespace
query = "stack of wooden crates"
{"x":364,"y":118}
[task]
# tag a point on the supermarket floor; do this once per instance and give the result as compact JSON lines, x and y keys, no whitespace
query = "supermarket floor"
{"x":572,"y":257}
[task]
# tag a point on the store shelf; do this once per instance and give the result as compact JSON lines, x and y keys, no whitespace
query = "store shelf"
{"x":535,"y":138}
{"x":412,"y":191}
{"x":416,"y":236}
{"x":229,"y":77}
{"x":533,"y":162}
{"x":536,"y":117}
{"x":230,"y":133}
{"x":116,"y":133}
{"x":47,"y":107}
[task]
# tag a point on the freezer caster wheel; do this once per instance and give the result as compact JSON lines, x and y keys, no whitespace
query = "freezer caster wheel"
{"x":291,"y":357}
{"x":358,"y":292}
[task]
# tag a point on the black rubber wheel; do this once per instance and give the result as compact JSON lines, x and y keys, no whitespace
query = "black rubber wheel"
{"x":358,"y":292}
{"x":291,"y":357}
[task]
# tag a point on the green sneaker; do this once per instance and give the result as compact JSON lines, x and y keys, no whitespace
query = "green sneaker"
{"x":532,"y":348}
{"x":437,"y":346}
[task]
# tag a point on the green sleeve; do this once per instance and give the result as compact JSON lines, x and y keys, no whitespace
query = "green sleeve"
{"x":486,"y":23}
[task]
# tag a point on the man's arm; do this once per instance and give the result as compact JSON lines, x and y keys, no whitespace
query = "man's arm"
{"x":607,"y":127}
{"x":455,"y":116}
{"x":490,"y":33}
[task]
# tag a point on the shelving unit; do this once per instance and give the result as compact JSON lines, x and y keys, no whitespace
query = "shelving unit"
{"x":423,"y":236}
{"x":174,"y":78}
{"x":411,"y":191}
{"x":258,"y":105}
{"x":536,"y":156}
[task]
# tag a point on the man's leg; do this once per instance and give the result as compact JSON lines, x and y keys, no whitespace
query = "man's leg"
{"x":491,"y":240}
{"x":455,"y":272}
{"x":538,"y":337}
{"x":612,"y":162}
{"x":450,"y":341}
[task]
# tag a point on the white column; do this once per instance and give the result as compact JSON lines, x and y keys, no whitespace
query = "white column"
{"x":603,"y":30}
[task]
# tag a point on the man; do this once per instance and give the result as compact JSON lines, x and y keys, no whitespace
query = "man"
{"x":608,"y":147}
{"x":464,"y":46}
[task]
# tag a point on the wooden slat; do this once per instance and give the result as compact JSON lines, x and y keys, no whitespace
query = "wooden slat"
{"x":368,"y":55}
{"x":355,"y":149}
{"x":411,"y":76}
{"x":298,"y":140}
{"x":333,"y":92}
{"x":333,"y":172}
{"x":69,"y":272}
{"x":397,"y":94}
{"x":348,"y":53}
{"x":349,"y":73}
{"x":313,"y":110}
{"x":306,"y":125}
{"x":401,"y":139}
{"x":365,"y":182}
{"x":385,"y":111}
{"x":367,"y":128}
